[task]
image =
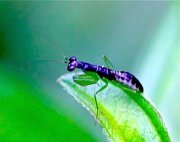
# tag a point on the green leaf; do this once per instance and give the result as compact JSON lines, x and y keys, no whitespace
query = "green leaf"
{"x":124,"y":115}
{"x":25,"y":117}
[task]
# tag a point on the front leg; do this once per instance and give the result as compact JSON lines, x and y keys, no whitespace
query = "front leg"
{"x":85,"y":79}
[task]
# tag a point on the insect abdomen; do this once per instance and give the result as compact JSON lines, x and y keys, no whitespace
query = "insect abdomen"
{"x":129,"y":80}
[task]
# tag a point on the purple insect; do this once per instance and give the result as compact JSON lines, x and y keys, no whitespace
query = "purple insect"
{"x":104,"y":73}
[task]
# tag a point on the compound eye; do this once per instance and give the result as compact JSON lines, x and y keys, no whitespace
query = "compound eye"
{"x":73,"y":58}
{"x":71,"y":67}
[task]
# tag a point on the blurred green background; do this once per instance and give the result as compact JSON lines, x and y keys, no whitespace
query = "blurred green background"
{"x":139,"y":37}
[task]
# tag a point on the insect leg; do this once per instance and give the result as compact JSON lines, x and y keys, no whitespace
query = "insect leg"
{"x":108,"y":62}
{"x":101,"y":89}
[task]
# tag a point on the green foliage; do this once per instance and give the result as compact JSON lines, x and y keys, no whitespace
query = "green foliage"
{"x":25,"y":118}
{"x":125,"y":115}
